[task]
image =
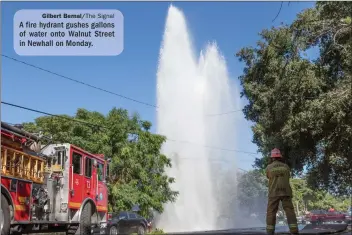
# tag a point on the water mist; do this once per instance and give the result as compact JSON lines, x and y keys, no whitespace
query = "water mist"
{"x":191,"y":92}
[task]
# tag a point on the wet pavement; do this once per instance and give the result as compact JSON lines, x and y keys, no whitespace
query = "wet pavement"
{"x":340,"y":229}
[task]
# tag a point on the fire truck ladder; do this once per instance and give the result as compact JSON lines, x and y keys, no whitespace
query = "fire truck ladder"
{"x":21,"y":165}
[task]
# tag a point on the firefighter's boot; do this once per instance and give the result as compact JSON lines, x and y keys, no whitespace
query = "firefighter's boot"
{"x":270,"y":229}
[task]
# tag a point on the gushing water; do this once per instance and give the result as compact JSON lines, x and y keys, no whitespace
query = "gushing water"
{"x":191,"y":93}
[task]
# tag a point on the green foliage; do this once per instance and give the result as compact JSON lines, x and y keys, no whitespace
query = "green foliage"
{"x":304,"y":106}
{"x":325,"y":201}
{"x":157,"y":231}
{"x":252,"y":191}
{"x":253,"y":187}
{"x":137,"y":168}
{"x":302,"y":194}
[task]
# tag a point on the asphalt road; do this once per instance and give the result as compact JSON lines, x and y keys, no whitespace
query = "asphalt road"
{"x":340,"y":229}
{"x":333,"y":229}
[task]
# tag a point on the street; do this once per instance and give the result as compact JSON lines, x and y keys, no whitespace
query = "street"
{"x":341,"y":229}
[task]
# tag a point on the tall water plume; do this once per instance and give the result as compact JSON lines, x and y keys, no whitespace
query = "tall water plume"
{"x":189,"y":93}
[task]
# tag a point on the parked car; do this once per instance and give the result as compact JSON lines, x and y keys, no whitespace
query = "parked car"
{"x":348,"y":218}
{"x":321,"y":216}
{"x":336,"y":216}
{"x":281,"y":218}
{"x":125,"y":222}
{"x":150,"y":221}
{"x":301,"y":220}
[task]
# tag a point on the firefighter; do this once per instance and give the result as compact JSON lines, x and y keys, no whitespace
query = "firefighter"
{"x":332,"y":209}
{"x":278,"y":174}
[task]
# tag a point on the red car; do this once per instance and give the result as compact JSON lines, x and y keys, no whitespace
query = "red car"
{"x":349,"y":217}
{"x":321,"y":216}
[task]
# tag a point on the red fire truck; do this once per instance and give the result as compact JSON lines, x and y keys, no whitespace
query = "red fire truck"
{"x":51,"y":188}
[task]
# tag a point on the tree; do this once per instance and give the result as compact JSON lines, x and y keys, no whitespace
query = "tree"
{"x":300,"y":105}
{"x":324,"y":200}
{"x":253,"y":188}
{"x":137,"y":168}
{"x":306,"y":199}
{"x":252,"y":191}
{"x":302,"y":195}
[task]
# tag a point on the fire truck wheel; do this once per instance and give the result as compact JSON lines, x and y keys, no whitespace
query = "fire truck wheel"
{"x":85,"y":221}
{"x":5,"y":214}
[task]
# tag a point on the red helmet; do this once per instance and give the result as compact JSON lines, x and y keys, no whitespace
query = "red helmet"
{"x":275,"y":153}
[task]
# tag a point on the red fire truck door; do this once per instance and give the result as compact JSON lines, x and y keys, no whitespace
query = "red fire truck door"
{"x":76,"y":180}
{"x":90,"y":178}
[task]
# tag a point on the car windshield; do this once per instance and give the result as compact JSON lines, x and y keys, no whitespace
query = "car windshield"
{"x":122,"y":215}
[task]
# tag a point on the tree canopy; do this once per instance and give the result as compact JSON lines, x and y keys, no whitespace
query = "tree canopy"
{"x":307,"y":199}
{"x":302,"y":105}
{"x":253,"y":187}
{"x":252,"y":191}
{"x":137,"y":168}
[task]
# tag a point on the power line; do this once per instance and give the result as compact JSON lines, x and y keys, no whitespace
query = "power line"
{"x":207,"y":159}
{"x":211,"y":147}
{"x":100,"y":126}
{"x":242,"y":169}
{"x":79,"y":82}
{"x":219,"y":114}
{"x":96,"y":87}
{"x":277,"y":15}
{"x":49,"y":114}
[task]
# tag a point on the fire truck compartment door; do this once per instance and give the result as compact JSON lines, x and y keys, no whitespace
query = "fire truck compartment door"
{"x":90,"y":178}
{"x":76,"y":180}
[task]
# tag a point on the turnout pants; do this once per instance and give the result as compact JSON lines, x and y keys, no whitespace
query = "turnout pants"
{"x":273,"y":206}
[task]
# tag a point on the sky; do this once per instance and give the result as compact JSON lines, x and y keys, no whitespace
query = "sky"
{"x":232,"y":25}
